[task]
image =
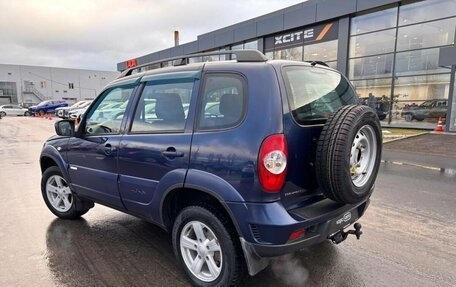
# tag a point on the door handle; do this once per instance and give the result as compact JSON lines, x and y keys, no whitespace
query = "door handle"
{"x":172,"y":153}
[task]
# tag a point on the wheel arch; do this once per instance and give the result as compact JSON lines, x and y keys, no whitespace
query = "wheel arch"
{"x":51,"y":157}
{"x":178,"y":198}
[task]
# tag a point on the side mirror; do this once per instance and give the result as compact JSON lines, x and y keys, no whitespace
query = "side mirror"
{"x":64,"y":128}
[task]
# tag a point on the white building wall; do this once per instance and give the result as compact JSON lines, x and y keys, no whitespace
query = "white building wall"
{"x":54,"y":83}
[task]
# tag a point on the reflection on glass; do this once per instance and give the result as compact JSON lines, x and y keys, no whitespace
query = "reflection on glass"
{"x":195,"y":60}
{"x":373,"y":43}
{"x":294,"y":54}
{"x":251,"y":45}
{"x":431,"y":34}
{"x":237,"y":47}
{"x":375,"y":87}
{"x":453,"y":108}
{"x":419,"y":62}
{"x":374,"y":21}
{"x":326,"y":51}
{"x":371,"y":67}
{"x":225,"y":56}
{"x":422,"y":87}
{"x":314,"y":93}
{"x":419,"y":113}
{"x":269,"y":55}
{"x":426,"y":10}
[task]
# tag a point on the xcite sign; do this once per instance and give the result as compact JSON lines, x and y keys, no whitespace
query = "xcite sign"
{"x":316,"y":34}
{"x":288,"y":38}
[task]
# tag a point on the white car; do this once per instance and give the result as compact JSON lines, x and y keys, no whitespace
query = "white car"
{"x":13,"y":110}
{"x":63,"y":112}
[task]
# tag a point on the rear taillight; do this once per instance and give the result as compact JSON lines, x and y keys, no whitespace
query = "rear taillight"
{"x":272,"y":163}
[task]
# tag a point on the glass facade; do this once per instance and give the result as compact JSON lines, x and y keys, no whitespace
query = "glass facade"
{"x":452,"y":124}
{"x":393,"y":58}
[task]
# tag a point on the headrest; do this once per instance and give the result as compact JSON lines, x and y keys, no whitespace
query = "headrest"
{"x":169,"y":107}
{"x":231,"y":105}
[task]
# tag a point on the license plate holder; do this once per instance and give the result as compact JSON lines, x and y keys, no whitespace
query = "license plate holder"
{"x":344,"y":220}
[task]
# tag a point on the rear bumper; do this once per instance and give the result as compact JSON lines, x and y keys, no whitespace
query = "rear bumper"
{"x":320,"y":221}
{"x":316,"y":230}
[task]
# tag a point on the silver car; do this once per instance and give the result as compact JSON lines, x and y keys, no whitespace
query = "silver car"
{"x":13,"y":110}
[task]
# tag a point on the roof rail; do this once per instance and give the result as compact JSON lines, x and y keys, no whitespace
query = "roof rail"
{"x":241,"y":56}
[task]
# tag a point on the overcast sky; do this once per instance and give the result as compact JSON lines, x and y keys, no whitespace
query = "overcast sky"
{"x":97,"y":34}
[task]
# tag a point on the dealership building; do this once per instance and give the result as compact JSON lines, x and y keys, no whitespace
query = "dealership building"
{"x":28,"y":85}
{"x":399,"y":55}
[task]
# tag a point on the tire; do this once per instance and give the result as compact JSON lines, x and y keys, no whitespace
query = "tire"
{"x":229,"y":259}
{"x":349,"y":153}
{"x":408,"y":117}
{"x":2,"y":114}
{"x":42,"y":112}
{"x":71,"y":208}
{"x":27,"y":114}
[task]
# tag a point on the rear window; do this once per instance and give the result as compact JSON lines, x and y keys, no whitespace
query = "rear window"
{"x":316,"y":93}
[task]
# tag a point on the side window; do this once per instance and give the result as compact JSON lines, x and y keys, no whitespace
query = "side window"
{"x":223,"y":103}
{"x":163,"y":108}
{"x":106,"y":116}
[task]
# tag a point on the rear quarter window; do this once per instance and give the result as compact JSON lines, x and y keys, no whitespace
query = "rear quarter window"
{"x":316,"y":93}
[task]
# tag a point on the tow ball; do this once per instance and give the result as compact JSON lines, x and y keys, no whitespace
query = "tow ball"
{"x":342,"y":235}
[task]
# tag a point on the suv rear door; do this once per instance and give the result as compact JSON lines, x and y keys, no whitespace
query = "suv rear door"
{"x":92,"y":155}
{"x":313,"y":94}
{"x":158,"y":138}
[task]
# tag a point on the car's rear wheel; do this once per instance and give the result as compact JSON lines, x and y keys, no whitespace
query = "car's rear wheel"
{"x":207,"y":248}
{"x":349,"y":154}
{"x":27,"y":113}
{"x":58,"y":196}
{"x":3,"y":114}
{"x":408,"y":117}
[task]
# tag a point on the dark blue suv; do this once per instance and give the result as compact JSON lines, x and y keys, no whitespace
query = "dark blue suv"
{"x":240,"y":160}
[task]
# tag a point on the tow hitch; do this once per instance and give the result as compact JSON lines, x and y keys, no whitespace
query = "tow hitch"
{"x":342,"y":235}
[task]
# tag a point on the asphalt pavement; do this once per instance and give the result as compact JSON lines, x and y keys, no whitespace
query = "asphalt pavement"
{"x":409,"y":231}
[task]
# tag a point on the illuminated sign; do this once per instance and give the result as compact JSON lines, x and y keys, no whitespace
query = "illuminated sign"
{"x":311,"y":35}
{"x":130,"y":63}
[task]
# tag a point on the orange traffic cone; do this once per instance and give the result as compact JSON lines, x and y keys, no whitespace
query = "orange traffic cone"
{"x":439,"y":127}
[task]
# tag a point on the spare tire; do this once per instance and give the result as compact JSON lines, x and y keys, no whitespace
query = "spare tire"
{"x":349,"y":153}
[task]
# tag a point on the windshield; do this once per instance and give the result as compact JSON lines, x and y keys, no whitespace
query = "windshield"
{"x":316,"y":93}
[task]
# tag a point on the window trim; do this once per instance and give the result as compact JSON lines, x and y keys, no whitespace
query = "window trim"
{"x":199,"y":106}
{"x":129,"y":125}
{"x":81,"y":132}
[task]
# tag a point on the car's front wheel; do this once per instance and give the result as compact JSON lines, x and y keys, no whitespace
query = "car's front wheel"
{"x":58,"y":196}
{"x":207,"y":248}
{"x":2,"y":114}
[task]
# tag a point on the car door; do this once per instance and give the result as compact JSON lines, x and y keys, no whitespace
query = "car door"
{"x":157,"y":143}
{"x":16,"y":110}
{"x":92,"y":154}
{"x":8,"y":110}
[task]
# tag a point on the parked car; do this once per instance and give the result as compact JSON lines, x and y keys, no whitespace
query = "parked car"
{"x":47,"y":106}
{"x":379,"y":104}
{"x":428,"y":109}
{"x":63,"y":112}
{"x":13,"y":110}
{"x":286,"y":160}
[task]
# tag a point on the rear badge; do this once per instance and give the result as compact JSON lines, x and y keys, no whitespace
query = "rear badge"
{"x":347,"y":216}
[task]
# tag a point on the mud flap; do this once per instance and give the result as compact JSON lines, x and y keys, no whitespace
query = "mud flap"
{"x":254,"y":262}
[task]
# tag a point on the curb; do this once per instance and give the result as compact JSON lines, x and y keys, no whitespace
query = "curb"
{"x":443,"y":133}
{"x":406,"y":137}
